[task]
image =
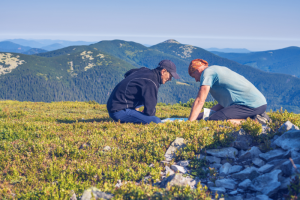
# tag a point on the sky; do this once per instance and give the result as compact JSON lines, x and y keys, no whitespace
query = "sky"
{"x":256,"y":25}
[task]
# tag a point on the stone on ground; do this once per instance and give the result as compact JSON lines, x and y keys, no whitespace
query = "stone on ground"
{"x":266,"y":168}
{"x":177,"y":144}
{"x":228,"y":152}
{"x":248,"y":173}
{"x":210,"y":159}
{"x":107,"y":148}
{"x":178,"y":168}
{"x":242,"y":140}
{"x":235,"y":169}
{"x":169,"y":171}
{"x":289,"y":140}
{"x":225,"y":169}
{"x":287,"y":167}
{"x":258,"y":162}
{"x":226,"y":183}
{"x":219,"y":190}
{"x":73,"y":195}
{"x":287,"y":126}
{"x":267,"y":184}
{"x":96,"y":193}
{"x":272,"y":155}
{"x":250,"y":154}
{"x":245,"y":184}
{"x":179,"y":180}
{"x":183,"y":163}
{"x":262,"y":197}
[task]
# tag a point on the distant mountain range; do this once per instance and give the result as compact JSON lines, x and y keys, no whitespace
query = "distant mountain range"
{"x":229,"y":50}
{"x":44,"y":43}
{"x":90,"y":73}
{"x":7,"y":46}
{"x":285,"y":61}
{"x":38,"y":46}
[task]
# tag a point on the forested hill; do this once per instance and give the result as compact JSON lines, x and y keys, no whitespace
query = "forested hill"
{"x":81,"y":74}
{"x":90,"y":73}
{"x":285,"y":61}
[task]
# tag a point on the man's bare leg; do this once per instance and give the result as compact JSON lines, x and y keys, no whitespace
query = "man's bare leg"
{"x":236,"y":121}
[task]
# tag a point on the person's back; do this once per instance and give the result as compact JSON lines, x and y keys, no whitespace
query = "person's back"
{"x":139,"y":88}
{"x":230,"y":88}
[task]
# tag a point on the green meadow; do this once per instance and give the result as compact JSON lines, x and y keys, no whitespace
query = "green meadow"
{"x":48,"y":150}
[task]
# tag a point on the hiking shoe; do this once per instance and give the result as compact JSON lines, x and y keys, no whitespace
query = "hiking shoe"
{"x":263,"y":118}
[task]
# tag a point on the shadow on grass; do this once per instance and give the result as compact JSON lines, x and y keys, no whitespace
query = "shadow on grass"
{"x":66,"y":121}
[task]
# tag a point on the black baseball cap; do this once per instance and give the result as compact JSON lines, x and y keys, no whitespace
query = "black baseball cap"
{"x":170,"y":67}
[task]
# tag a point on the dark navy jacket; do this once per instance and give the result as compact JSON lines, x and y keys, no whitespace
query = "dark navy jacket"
{"x":140,"y":87}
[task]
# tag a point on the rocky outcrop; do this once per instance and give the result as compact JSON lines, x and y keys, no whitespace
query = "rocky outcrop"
{"x":238,"y":172}
{"x":246,"y":173}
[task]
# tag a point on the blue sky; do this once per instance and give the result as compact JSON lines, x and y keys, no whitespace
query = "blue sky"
{"x":255,"y":25}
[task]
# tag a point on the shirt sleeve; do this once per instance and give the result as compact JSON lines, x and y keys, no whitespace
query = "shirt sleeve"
{"x":150,"y":98}
{"x":208,"y":77}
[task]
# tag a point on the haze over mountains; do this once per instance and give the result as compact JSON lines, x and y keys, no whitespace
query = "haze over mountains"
{"x":36,"y":46}
{"x":90,"y":72}
{"x":229,"y":50}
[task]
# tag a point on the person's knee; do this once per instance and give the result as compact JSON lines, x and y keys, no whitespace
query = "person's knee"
{"x":156,"y":120}
{"x":218,"y":116}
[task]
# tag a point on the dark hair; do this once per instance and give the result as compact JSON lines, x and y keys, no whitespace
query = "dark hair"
{"x":159,"y":68}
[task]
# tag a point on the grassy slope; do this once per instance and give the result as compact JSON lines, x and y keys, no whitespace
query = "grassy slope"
{"x":49,"y":149}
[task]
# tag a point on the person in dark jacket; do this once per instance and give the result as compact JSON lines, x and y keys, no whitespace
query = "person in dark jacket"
{"x":139,"y":88}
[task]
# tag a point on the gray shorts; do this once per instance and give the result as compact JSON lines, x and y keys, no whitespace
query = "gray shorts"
{"x":237,"y":112}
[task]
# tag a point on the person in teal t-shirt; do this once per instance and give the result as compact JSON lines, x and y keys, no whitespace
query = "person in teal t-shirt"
{"x":237,"y":97}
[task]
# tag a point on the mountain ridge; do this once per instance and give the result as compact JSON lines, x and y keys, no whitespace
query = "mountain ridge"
{"x":95,"y":74}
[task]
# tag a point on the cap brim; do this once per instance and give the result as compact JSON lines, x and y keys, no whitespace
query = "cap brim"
{"x":175,"y":75}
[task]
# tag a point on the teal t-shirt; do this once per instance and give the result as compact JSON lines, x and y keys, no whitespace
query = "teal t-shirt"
{"x":229,"y":88}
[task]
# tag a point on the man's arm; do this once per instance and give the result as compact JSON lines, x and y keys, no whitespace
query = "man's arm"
{"x":150,"y":98}
{"x":199,"y":102}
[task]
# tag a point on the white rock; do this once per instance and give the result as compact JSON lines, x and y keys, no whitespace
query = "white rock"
{"x":178,"y":168}
{"x":169,"y":172}
{"x":287,"y":126}
{"x":177,"y":144}
{"x":224,"y":170}
{"x":179,"y":180}
{"x":183,"y":163}
{"x":107,"y":148}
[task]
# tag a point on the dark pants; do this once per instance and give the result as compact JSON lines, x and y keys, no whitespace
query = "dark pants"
{"x":133,"y":116}
{"x":237,"y":112}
